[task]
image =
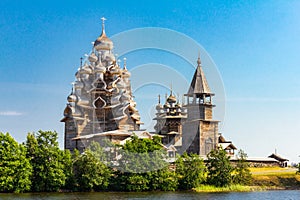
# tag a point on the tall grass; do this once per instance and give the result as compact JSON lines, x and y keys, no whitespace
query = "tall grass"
{"x":231,"y":188}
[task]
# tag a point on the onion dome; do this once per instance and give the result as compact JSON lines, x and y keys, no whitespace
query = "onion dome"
{"x":110,"y":57}
{"x":159,"y":106}
{"x":103,"y":42}
{"x":126,"y":73}
{"x":114,"y":70}
{"x":72,"y":98}
{"x":100,"y":68}
{"x":166,"y":105}
{"x":161,"y":111}
{"x":93,"y":57}
{"x":171,"y":99}
{"x":86,"y":69}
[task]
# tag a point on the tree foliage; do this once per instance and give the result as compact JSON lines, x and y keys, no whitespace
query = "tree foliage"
{"x":90,"y":173}
{"x":219,"y":168}
{"x":190,"y":170}
{"x":15,"y":169}
{"x":142,"y":167}
{"x":68,"y":169}
{"x":47,"y":161}
{"x":163,"y":179}
{"x":242,"y":174}
{"x":142,"y":155}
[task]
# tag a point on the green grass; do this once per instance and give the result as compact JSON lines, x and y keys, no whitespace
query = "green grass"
{"x":283,"y":180}
{"x":267,"y":178}
{"x":272,"y":171}
{"x":231,"y":188}
{"x":262,"y":169}
{"x":276,"y":174}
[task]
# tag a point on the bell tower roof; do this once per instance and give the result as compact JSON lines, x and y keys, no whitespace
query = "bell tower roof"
{"x":199,"y":84}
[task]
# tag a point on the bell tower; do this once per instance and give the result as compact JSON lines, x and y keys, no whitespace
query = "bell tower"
{"x":200,"y":131}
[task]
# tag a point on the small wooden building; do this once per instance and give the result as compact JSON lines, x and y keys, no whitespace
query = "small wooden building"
{"x":282,"y":161}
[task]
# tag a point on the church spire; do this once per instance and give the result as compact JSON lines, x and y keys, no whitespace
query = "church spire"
{"x":125,"y":64}
{"x":81,"y":61}
{"x":103,"y":25}
{"x":199,"y":84}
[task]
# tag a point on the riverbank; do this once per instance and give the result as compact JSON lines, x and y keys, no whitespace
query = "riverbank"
{"x":273,"y":178}
{"x":285,"y":178}
{"x":231,"y":188}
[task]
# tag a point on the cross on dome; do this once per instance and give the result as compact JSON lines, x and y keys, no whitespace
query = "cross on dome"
{"x":103,"y":19}
{"x":103,"y":24}
{"x":103,"y":42}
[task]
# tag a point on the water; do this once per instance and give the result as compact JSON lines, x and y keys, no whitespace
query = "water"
{"x":271,"y":195}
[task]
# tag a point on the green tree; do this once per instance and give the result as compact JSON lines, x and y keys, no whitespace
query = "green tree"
{"x":47,"y":161}
{"x":139,"y":145}
{"x":142,"y":155}
{"x":15,"y":168}
{"x":163,"y":179}
{"x":137,"y":182}
{"x":68,"y":169}
{"x":89,"y":170}
{"x":219,"y":168}
{"x":242,"y":174}
{"x":190,"y":170}
{"x":142,"y":166}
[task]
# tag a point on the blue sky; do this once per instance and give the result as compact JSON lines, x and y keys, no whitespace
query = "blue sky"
{"x":255,"y":45}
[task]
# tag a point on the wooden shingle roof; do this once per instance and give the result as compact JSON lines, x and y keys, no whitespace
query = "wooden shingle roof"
{"x":199,"y":84}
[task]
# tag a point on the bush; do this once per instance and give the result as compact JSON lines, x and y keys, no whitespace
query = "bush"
{"x":219,"y":168}
{"x":15,"y":168}
{"x":190,"y":170}
{"x":242,"y":174}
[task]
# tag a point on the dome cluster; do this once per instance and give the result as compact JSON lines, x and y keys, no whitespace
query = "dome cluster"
{"x":101,"y":93}
{"x":172,"y":107}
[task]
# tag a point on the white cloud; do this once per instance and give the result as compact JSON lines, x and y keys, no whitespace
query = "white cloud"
{"x":10,"y":113}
